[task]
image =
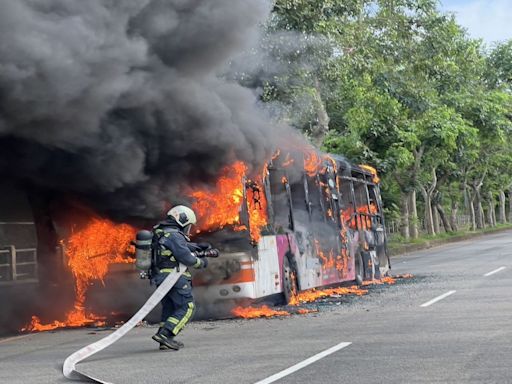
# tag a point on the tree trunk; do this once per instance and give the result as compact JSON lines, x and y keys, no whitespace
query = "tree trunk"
{"x":453,"y":215}
{"x":427,"y":197}
{"x":472,"y":214}
{"x":510,"y":204}
{"x":480,"y":222}
{"x":404,"y":219}
{"x":429,"y":222}
{"x":413,"y":215}
{"x":490,"y":208}
{"x":444,"y":219}
{"x":503,"y":216}
{"x":435,"y":219}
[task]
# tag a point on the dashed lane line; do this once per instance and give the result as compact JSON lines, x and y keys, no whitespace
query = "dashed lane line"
{"x":303,"y":363}
{"x":438,"y":298}
{"x":495,"y":271}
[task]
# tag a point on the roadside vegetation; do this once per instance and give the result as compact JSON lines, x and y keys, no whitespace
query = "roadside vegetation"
{"x":398,"y":245}
{"x":401,"y":86}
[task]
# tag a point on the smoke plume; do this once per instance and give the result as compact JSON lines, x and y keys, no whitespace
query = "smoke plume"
{"x":121,"y":102}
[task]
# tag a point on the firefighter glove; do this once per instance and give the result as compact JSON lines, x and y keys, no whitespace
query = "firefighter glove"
{"x":204,"y":246}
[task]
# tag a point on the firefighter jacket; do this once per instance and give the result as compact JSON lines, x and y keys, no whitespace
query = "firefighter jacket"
{"x":172,"y":247}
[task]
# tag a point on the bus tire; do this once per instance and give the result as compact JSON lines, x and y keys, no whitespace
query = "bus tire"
{"x":290,"y":286}
{"x":359,"y":268}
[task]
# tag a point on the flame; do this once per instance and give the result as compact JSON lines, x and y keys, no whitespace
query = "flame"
{"x":221,"y":207}
{"x":314,"y":294}
{"x":257,"y":208}
{"x":90,"y":252}
{"x":329,"y":260}
{"x":373,"y":171}
{"x":253,"y":312}
{"x":310,"y":296}
{"x":312,"y":162}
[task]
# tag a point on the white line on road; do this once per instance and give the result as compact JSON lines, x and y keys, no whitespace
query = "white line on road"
{"x":435,"y":300}
{"x":303,"y":364}
{"x":495,"y":271}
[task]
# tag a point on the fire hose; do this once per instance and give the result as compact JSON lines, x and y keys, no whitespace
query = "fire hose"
{"x":69,"y":367}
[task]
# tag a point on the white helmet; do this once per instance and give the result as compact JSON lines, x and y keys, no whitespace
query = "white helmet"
{"x":183,"y":215}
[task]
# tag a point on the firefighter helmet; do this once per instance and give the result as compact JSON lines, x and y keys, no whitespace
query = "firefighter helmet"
{"x":183,"y":215}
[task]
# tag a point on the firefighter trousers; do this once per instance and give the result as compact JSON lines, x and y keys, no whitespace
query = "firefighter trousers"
{"x":178,"y":306}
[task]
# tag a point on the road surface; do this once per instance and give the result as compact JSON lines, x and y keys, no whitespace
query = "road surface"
{"x":451,"y":323}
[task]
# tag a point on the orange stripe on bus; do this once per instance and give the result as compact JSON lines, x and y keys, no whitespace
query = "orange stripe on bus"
{"x":243,"y":276}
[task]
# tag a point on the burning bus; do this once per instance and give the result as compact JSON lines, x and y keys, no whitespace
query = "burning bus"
{"x":306,"y":220}
{"x":309,"y":220}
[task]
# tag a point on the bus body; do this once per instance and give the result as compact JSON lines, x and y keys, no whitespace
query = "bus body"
{"x":325,"y":227}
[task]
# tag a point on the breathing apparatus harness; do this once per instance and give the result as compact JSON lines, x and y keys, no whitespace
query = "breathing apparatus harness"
{"x":148,"y":250}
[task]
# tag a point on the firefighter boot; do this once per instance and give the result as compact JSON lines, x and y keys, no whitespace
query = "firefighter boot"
{"x":166,"y":338}
{"x":163,"y":347}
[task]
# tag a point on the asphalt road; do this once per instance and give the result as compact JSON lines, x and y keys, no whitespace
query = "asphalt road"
{"x":466,"y":337}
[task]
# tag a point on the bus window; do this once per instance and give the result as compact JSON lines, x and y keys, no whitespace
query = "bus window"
{"x":374,"y":204}
{"x":347,"y":203}
{"x":279,"y":199}
{"x":361,"y":196}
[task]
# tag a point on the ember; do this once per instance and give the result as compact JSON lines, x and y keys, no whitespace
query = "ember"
{"x":303,"y":311}
{"x":254,"y":312}
{"x":90,"y":252}
{"x":313,"y":294}
{"x":384,"y":280}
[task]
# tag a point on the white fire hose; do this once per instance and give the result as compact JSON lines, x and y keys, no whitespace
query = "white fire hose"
{"x":69,"y":368}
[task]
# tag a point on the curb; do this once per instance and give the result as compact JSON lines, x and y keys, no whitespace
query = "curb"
{"x":407,"y":248}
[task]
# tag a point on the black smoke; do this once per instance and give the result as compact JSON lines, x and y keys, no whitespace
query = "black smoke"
{"x":121,"y":102}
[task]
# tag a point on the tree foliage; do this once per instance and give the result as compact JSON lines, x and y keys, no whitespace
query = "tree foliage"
{"x":399,"y":84}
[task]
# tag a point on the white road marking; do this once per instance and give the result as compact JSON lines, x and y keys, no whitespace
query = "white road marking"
{"x":495,"y":271}
{"x":435,"y":300}
{"x":303,"y":364}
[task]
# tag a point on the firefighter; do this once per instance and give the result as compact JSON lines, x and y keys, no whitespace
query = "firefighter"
{"x":172,"y":246}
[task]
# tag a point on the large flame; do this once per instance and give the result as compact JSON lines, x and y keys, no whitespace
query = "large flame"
{"x":89,"y":253}
{"x":220,"y":206}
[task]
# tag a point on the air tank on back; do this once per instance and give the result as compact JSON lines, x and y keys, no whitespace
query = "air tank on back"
{"x":143,"y":250}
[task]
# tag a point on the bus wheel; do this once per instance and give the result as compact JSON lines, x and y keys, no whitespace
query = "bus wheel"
{"x":359,"y":269}
{"x":290,"y":287}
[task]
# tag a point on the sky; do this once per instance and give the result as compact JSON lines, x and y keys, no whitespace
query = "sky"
{"x":490,"y":20}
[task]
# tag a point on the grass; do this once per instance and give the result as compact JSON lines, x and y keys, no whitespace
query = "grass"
{"x":397,"y":243}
